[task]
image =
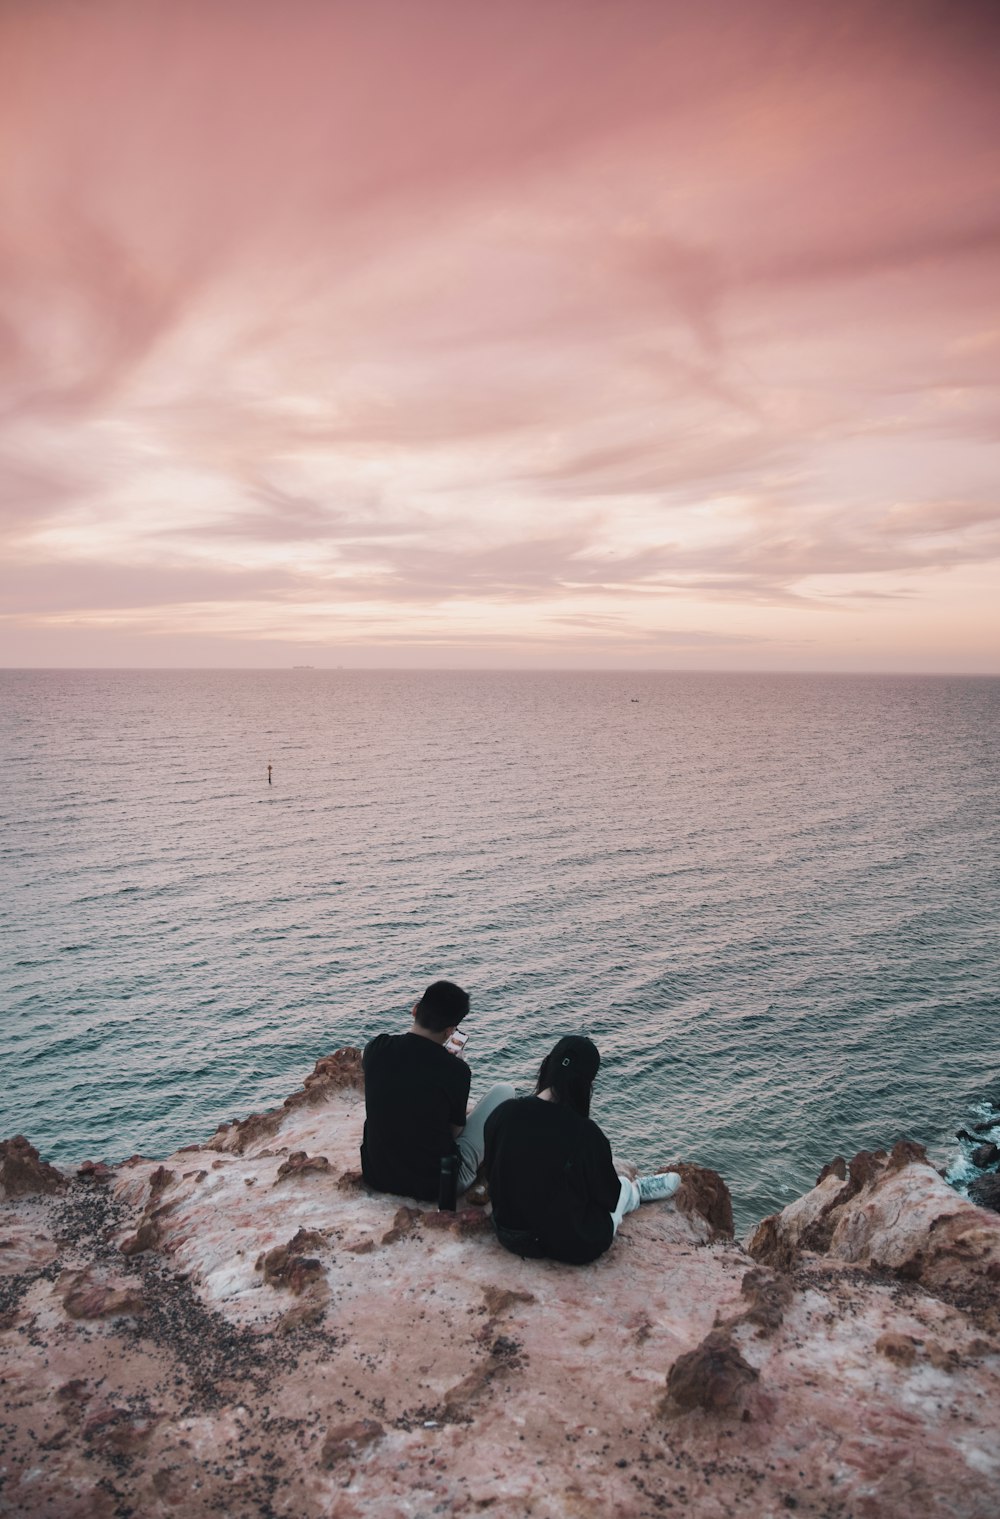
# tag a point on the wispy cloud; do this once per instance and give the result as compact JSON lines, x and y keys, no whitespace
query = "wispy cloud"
{"x":465,"y":327}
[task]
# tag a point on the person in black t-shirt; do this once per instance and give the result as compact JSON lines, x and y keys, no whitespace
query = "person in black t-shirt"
{"x":416,"y":1094}
{"x":554,"y":1184}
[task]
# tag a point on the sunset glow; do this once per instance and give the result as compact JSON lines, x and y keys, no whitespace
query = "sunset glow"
{"x":550,"y":334}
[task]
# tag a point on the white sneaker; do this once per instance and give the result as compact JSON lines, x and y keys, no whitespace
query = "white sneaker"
{"x":653,"y":1189}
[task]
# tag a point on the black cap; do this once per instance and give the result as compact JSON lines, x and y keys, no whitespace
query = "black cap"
{"x":578,"y":1056}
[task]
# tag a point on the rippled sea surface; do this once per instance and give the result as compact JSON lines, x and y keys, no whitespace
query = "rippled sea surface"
{"x":773,"y":901}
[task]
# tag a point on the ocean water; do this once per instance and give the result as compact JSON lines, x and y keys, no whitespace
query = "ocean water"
{"x":772,"y":900}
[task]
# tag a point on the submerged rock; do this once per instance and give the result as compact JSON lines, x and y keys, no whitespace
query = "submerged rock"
{"x":985,"y":1191}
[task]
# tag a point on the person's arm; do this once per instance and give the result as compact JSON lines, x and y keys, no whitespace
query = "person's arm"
{"x":602,"y":1177}
{"x":459,"y":1098}
{"x":371,"y":1048}
{"x":489,"y":1135}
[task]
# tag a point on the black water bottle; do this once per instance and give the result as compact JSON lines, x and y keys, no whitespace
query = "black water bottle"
{"x":448,"y":1184}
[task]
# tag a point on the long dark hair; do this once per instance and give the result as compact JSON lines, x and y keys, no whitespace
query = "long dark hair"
{"x":569,"y":1069}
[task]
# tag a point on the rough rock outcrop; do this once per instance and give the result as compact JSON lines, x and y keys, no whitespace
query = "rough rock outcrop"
{"x":332,"y":1073}
{"x":893,"y":1212}
{"x":23,"y":1173}
{"x":714,"y":1376}
{"x":301,"y":1164}
{"x":288,"y":1266}
{"x":86,"y":1295}
{"x":95,"y":1171}
{"x":233,"y":1331}
{"x":703,"y":1194}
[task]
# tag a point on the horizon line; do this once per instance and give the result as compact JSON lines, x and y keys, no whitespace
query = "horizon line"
{"x":489,"y":670}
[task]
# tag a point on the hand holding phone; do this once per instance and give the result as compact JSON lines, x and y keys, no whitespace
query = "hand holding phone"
{"x":456,"y":1042}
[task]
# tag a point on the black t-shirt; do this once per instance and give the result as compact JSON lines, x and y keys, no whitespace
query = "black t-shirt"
{"x":551,"y":1174}
{"x":414,"y":1091}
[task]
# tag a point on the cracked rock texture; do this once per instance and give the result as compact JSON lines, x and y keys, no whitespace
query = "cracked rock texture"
{"x":245,"y":1329}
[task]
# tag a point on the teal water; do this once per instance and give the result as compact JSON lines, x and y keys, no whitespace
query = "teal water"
{"x":773,"y":901}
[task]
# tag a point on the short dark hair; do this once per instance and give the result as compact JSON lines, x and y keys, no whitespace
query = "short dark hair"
{"x":442,"y":1006}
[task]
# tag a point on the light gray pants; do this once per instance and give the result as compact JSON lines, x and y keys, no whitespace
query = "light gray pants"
{"x":471,"y":1142}
{"x":628,"y":1201}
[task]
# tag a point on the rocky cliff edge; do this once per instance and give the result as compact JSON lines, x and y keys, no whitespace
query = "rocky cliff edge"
{"x":245,"y":1329}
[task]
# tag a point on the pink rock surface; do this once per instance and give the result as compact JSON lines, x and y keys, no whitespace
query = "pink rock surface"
{"x":295,"y":1345}
{"x":894,"y":1212}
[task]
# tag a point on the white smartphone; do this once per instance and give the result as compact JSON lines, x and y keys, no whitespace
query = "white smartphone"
{"x":457,"y":1042}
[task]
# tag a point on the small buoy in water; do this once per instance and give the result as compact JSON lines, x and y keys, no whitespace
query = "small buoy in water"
{"x":269,"y":775}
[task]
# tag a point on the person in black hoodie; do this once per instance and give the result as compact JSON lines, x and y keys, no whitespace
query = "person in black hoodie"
{"x":554,"y":1186}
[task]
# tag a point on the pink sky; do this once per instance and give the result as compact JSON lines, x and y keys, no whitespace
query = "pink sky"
{"x":446,"y":332}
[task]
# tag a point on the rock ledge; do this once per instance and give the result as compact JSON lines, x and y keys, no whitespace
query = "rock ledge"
{"x":246,"y":1329}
